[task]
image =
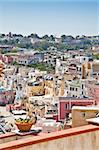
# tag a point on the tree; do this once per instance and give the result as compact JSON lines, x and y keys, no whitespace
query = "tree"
{"x":34,"y":36}
{"x":17,"y":40}
{"x":41,"y":45}
{"x":96,"y":56}
{"x":46,"y":37}
{"x":63,"y":37}
{"x":52,"y":38}
{"x":2,"y":35}
{"x":77,"y":37}
{"x":5,"y":41}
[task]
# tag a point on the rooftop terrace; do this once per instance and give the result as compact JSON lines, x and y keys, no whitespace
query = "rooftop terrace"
{"x":79,"y":138}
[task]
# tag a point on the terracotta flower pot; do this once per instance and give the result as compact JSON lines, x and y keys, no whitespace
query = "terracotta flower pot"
{"x":24,"y":127}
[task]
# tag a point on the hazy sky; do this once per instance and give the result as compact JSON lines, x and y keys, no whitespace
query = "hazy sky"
{"x":70,"y":17}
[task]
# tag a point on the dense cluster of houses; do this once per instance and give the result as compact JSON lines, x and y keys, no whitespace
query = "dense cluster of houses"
{"x":74,"y":83}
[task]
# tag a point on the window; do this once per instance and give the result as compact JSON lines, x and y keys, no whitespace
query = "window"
{"x":84,"y":59}
{"x":76,"y":89}
{"x":94,"y":74}
{"x":66,"y":106}
{"x":71,"y":89}
{"x":67,"y":116}
{"x":83,"y":114}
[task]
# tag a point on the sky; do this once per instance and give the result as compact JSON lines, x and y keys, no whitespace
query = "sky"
{"x":57,"y":17}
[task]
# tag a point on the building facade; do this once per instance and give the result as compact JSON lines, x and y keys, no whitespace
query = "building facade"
{"x":65,"y":105}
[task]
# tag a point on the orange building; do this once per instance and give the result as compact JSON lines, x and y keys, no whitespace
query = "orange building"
{"x":1,"y":69}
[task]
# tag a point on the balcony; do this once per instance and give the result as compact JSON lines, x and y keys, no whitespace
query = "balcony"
{"x":85,"y":137}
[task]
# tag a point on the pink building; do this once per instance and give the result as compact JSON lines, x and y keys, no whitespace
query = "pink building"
{"x":93,"y":91}
{"x":1,"y":57}
{"x":65,"y":105}
{"x":6,"y":96}
{"x":6,"y":59}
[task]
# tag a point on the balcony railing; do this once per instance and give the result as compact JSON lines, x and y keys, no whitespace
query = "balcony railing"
{"x":85,"y":137}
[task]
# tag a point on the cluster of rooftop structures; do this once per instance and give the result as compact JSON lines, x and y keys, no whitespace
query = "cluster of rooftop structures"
{"x":52,"y":96}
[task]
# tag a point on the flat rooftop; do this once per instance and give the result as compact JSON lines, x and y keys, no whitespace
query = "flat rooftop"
{"x":85,"y":108}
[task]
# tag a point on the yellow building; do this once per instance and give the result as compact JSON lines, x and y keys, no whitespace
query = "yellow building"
{"x":86,"y":70}
{"x":50,"y":86}
{"x":35,"y":88}
{"x":55,"y":87}
{"x":81,"y":113}
{"x":90,"y":69}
